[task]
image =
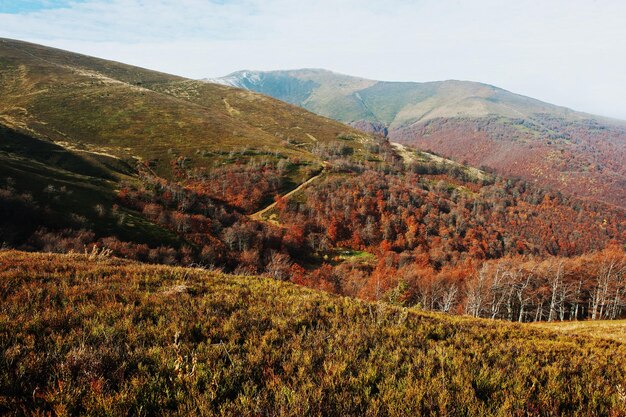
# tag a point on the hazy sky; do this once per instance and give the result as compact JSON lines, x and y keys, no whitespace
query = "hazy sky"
{"x":567,"y":52}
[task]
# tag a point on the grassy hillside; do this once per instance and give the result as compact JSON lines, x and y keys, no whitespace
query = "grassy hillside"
{"x":484,"y":125}
{"x":87,"y":103}
{"x":100,"y":336}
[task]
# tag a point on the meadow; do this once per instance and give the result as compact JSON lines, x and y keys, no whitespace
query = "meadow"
{"x":93,"y":335}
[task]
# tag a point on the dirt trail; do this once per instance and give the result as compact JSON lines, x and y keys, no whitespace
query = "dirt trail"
{"x":259,"y":214}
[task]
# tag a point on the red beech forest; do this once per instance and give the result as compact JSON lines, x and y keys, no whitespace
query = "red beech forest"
{"x":431,"y":234}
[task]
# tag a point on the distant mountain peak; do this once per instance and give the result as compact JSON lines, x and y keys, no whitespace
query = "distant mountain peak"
{"x":465,"y":120}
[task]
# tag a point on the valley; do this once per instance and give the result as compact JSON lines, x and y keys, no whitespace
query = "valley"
{"x":283,"y":194}
{"x":178,"y":246}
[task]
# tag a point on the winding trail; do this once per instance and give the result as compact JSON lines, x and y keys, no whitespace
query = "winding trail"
{"x":259,"y":214}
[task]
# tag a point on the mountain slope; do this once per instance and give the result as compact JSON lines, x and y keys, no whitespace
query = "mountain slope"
{"x":484,"y":125}
{"x":91,"y":336}
{"x":89,"y":103}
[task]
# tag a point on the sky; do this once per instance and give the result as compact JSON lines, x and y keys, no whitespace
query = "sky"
{"x":566,"y":52}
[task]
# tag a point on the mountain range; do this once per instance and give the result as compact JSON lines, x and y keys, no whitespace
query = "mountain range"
{"x":483,"y":125}
{"x":160,"y":168}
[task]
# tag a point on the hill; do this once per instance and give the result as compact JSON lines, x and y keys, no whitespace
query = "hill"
{"x":578,"y":153}
{"x":91,"y":335}
{"x":97,"y":155}
{"x":75,"y":129}
{"x":86,"y":103}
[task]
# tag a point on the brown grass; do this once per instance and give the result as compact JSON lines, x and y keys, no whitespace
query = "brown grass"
{"x":604,"y":329}
{"x":113,"y":337}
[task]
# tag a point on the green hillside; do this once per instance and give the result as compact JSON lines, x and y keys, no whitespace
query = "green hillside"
{"x":93,"y":336}
{"x":87,"y":103}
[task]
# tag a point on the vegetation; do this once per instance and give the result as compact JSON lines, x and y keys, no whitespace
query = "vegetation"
{"x":514,"y":135}
{"x":581,"y":157}
{"x":107,"y":107}
{"x":82,"y":334}
{"x":418,"y":231}
{"x":605,"y":329}
{"x":100,"y":159}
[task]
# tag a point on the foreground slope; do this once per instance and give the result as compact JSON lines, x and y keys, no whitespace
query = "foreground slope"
{"x":104,"y":336}
{"x":479,"y":123}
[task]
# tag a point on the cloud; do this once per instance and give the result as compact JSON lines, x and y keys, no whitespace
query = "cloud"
{"x":133,"y":21}
{"x":565,"y":52}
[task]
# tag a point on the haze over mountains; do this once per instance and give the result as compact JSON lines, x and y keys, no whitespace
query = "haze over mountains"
{"x":578,"y":153}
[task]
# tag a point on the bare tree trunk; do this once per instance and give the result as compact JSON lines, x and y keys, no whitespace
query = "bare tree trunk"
{"x":556,"y":283}
{"x":475,"y":293}
{"x":539,"y":312}
{"x":576,"y":300}
{"x":601,"y":290}
{"x":520,"y":296}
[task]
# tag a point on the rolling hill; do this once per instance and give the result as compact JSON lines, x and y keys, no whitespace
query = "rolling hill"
{"x":578,"y":153}
{"x":91,"y":335}
{"x":86,"y":103}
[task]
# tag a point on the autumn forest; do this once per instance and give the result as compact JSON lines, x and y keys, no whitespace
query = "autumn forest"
{"x":303,"y":243}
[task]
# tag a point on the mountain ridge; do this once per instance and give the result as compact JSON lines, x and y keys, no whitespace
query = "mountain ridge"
{"x":238,"y":79}
{"x":488,"y":126}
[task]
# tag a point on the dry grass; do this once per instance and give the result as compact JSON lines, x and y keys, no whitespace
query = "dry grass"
{"x":130,"y":111}
{"x":113,"y":337}
{"x":605,"y":329}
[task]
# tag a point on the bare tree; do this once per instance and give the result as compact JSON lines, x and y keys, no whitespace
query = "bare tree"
{"x":279,"y":266}
{"x":556,"y":281}
{"x":476,"y":288}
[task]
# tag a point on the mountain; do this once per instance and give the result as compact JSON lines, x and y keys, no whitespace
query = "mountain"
{"x":393,"y":104}
{"x":85,"y":103}
{"x":578,"y":153}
